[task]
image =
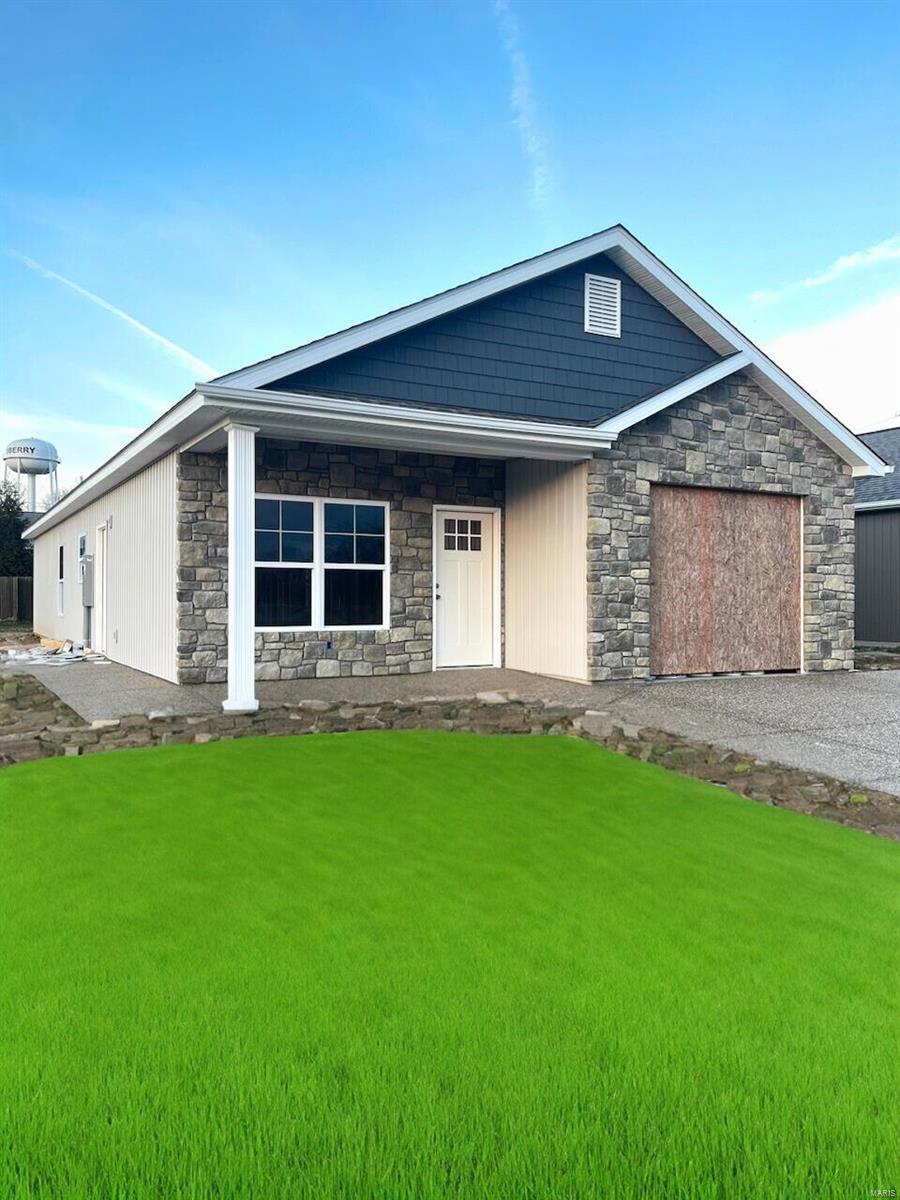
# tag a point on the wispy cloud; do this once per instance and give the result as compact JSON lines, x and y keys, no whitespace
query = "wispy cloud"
{"x":184,"y":356}
{"x":524,"y":109}
{"x":850,"y":362}
{"x":874,"y":256}
{"x":125,"y":389}
{"x":18,"y":422}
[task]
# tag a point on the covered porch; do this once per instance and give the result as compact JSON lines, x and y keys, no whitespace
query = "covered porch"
{"x":378,"y":541}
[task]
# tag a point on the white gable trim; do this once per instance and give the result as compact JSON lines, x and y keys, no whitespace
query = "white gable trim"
{"x":461,"y":433}
{"x":680,"y":391}
{"x":780,"y":387}
{"x":273,"y":369}
{"x":647,"y":271}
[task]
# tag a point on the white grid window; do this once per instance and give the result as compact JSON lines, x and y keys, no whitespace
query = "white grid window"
{"x":321,"y":563}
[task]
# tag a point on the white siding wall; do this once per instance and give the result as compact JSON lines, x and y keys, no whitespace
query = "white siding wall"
{"x":140,"y":571}
{"x":546,"y":568}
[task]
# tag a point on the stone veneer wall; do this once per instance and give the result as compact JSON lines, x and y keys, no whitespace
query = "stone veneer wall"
{"x":732,"y":435}
{"x":412,"y":482}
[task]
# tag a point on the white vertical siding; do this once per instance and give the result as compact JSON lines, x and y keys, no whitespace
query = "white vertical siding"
{"x":140,"y":571}
{"x":546,"y":568}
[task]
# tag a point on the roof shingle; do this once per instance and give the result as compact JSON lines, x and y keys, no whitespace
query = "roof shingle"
{"x":886,"y":443}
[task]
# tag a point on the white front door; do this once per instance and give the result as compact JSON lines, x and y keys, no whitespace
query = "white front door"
{"x":464,"y":614}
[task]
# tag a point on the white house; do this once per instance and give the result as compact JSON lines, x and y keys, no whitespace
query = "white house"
{"x":573,"y":466}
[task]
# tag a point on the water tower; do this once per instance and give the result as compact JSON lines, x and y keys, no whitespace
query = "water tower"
{"x":27,"y":458}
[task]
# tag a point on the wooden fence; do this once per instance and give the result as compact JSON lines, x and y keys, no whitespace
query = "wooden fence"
{"x":15,"y":598}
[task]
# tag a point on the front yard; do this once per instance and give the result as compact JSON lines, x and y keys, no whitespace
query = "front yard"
{"x":436,"y":965}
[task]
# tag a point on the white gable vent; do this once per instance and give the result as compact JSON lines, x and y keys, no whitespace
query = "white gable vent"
{"x":602,"y":306}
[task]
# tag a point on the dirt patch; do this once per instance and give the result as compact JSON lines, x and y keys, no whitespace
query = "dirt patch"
{"x":14,"y":637}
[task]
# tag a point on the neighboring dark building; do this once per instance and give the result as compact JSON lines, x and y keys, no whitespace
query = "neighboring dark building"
{"x":878,"y":545}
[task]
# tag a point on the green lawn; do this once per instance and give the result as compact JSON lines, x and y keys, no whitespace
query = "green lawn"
{"x":436,"y":965}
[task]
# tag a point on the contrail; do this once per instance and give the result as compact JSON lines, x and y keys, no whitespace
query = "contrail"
{"x":197,"y":364}
{"x":524,"y":109}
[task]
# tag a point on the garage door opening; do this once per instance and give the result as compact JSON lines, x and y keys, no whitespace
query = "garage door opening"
{"x":725,"y":581}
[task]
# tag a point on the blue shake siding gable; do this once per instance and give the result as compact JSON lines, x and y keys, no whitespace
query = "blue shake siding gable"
{"x":523,"y":353}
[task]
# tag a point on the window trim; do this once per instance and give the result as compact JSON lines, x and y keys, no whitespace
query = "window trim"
{"x":318,"y":566}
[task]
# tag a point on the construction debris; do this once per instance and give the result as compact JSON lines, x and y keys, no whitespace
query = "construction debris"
{"x":55,"y":654}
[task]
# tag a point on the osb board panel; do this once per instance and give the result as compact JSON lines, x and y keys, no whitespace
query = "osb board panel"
{"x":724,"y":581}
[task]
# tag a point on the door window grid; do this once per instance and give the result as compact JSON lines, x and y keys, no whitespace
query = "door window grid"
{"x":461,"y":533}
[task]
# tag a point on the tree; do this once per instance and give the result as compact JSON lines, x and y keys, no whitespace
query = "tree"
{"x":15,"y":555}
{"x":47,"y":503}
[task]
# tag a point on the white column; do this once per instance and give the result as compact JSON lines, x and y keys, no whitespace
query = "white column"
{"x":241,"y":488}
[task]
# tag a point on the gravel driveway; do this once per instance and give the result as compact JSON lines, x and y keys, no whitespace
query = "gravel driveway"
{"x":842,"y":724}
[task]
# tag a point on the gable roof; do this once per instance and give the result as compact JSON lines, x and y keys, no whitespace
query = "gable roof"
{"x":198,"y":419}
{"x":616,"y":242}
{"x":523,"y":352}
{"x":884,"y":490}
{"x":650,"y":273}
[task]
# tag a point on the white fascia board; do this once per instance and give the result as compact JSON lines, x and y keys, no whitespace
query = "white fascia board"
{"x":468,"y":430}
{"x":815,"y":417}
{"x":176,"y":425}
{"x":272,"y":369}
{"x":854,"y":451}
{"x":680,"y":391}
{"x":864,"y":504}
{"x":863,"y":460}
{"x":637,"y":261}
{"x":159,"y":438}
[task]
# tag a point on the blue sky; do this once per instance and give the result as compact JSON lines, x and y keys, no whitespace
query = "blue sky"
{"x":239,"y":178}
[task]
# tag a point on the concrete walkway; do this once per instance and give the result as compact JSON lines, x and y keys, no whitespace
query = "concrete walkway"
{"x":843,"y":724}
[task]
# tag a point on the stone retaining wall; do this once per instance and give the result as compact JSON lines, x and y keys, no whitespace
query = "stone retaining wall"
{"x":27,"y":710}
{"x":48,"y":729}
{"x":732,"y":435}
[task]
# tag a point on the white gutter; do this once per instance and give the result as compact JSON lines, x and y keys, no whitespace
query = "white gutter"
{"x":865,"y":504}
{"x":155,"y":441}
{"x":202,"y":412}
{"x":339,"y":411}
